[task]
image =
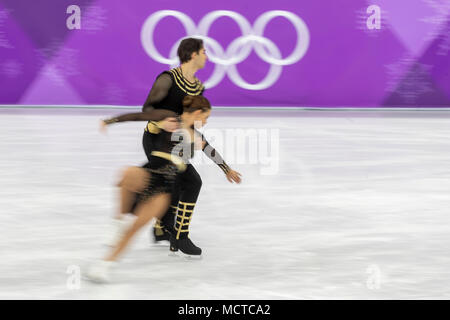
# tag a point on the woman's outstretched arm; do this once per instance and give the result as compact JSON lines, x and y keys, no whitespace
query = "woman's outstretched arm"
{"x":215,"y":156}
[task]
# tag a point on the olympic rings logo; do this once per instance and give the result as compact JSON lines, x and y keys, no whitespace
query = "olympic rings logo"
{"x":238,"y":50}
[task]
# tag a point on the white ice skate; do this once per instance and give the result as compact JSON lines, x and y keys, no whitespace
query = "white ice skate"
{"x":100,"y":271}
{"x":117,"y":229}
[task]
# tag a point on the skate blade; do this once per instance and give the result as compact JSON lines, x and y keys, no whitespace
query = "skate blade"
{"x":95,"y":280}
{"x":161,"y":243}
{"x":185,"y":256}
{"x":109,"y":245}
{"x":192,"y":258}
{"x":111,"y":242}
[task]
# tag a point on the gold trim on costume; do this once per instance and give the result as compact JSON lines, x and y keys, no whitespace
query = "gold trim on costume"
{"x":176,"y":160}
{"x":191,"y":86}
{"x":153,"y":127}
{"x":192,"y":92}
{"x":189,"y":210}
{"x":185,"y":220}
{"x":188,"y":218}
{"x":158,"y":228}
{"x":187,"y":203}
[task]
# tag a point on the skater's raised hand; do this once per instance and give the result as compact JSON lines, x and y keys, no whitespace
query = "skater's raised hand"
{"x":104,"y":123}
{"x":233,"y":176}
{"x":103,"y":126}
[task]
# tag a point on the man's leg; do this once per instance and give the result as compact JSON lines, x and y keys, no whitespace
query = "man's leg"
{"x":165,"y":227}
{"x":191,"y":184}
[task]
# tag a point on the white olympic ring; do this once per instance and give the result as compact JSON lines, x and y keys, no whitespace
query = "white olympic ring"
{"x":238,"y":50}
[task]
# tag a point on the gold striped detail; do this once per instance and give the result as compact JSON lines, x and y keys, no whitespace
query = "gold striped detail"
{"x":190,"y":211}
{"x":182,"y":220}
{"x":190,"y":86}
{"x":158,"y":224}
{"x":185,"y":220}
{"x":159,"y":229}
{"x":179,"y":82}
{"x":184,"y":224}
{"x":153,"y":127}
{"x":225,"y":168}
{"x":175,"y":160}
{"x":187,"y":203}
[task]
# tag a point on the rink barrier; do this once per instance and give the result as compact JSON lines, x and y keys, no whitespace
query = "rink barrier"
{"x":247,"y":108}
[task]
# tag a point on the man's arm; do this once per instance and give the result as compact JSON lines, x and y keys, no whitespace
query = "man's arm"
{"x":159,"y":91}
{"x":151,"y":115}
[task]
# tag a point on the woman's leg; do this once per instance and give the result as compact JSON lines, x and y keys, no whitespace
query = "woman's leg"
{"x":133,"y":181}
{"x":154,"y":207}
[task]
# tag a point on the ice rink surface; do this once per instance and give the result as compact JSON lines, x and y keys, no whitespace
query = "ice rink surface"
{"x":358,"y":208}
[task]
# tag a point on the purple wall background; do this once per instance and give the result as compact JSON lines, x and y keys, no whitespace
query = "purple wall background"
{"x":405,"y":63}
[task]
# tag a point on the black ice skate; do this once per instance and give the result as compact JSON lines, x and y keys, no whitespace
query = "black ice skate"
{"x":161,"y":234}
{"x":184,"y":247}
{"x":164,"y":228}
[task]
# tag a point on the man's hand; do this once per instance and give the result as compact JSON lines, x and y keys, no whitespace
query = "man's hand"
{"x":234,"y":176}
{"x":169,"y":124}
{"x":103,"y":126}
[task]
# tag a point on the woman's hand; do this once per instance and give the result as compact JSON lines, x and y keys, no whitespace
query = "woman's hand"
{"x":234,"y":176}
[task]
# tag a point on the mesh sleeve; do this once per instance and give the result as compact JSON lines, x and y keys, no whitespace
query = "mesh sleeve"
{"x":152,"y":115}
{"x":214,"y":155}
{"x":159,"y":91}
